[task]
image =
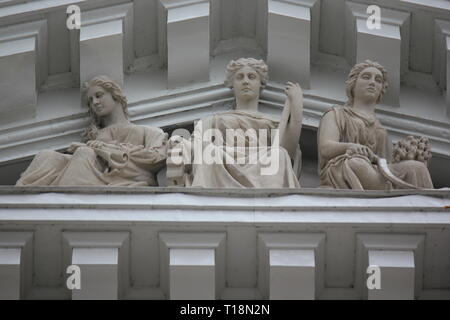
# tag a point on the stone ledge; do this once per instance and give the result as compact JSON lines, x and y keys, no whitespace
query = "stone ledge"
{"x":242,"y":193}
{"x":223,"y":207}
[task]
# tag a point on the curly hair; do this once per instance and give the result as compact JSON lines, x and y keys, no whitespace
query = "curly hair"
{"x":91,"y":132}
{"x":258,"y":65}
{"x":354,"y":74}
{"x":412,"y":148}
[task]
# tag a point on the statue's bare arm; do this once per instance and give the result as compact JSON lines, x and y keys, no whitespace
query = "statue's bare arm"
{"x":291,"y":119}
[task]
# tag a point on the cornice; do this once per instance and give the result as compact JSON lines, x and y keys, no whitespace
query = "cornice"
{"x":263,"y":206}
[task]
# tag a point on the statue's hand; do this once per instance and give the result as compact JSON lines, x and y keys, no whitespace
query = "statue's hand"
{"x":96,"y":144}
{"x":362,"y":150}
{"x":174,"y":141}
{"x":294,"y":92}
{"x":177,"y":147}
{"x":74,"y":146}
{"x":178,"y":162}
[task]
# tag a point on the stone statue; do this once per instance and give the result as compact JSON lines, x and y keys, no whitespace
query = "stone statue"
{"x":115,"y":152}
{"x":353,"y":145}
{"x":241,"y":148}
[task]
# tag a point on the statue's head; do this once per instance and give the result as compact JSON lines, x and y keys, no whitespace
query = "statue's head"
{"x":247,"y":76}
{"x":102,"y":95}
{"x":367,"y":80}
{"x":101,"y":85}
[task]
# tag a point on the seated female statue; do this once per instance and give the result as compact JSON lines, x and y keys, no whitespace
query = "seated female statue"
{"x":352,"y":141}
{"x":241,"y":148}
{"x":115,"y":152}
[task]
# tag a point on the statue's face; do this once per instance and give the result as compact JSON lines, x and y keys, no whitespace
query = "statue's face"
{"x":101,"y":101}
{"x":369,"y":84}
{"x":247,"y":83}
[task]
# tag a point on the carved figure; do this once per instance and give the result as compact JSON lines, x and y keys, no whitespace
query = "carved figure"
{"x":115,"y":152}
{"x":353,"y":145}
{"x":241,"y":148}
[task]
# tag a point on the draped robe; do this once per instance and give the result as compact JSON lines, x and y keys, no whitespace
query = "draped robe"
{"x":366,"y":130}
{"x":261,"y":164}
{"x":144,"y":150}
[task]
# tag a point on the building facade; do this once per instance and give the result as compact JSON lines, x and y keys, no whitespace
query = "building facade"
{"x":181,"y":243}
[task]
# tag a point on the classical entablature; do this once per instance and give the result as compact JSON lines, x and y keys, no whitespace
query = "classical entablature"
{"x":217,"y":244}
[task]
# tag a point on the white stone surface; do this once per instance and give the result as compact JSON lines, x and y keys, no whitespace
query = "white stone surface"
{"x":401,"y":261}
{"x":10,"y":273}
{"x":289,"y":40}
{"x":192,"y":274}
{"x":24,"y":68}
{"x":230,"y":222}
{"x":441,"y":59}
{"x":185,"y":39}
{"x":192,"y":265}
{"x":291,"y":265}
{"x":99,"y":273}
{"x":397,"y":274}
{"x":101,"y":51}
{"x":18,"y":78}
{"x":292,"y":274}
{"x":123,"y":13}
{"x":103,"y":261}
{"x":15,"y":264}
{"x":105,"y":43}
{"x":448,"y":75}
{"x":37,"y":30}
